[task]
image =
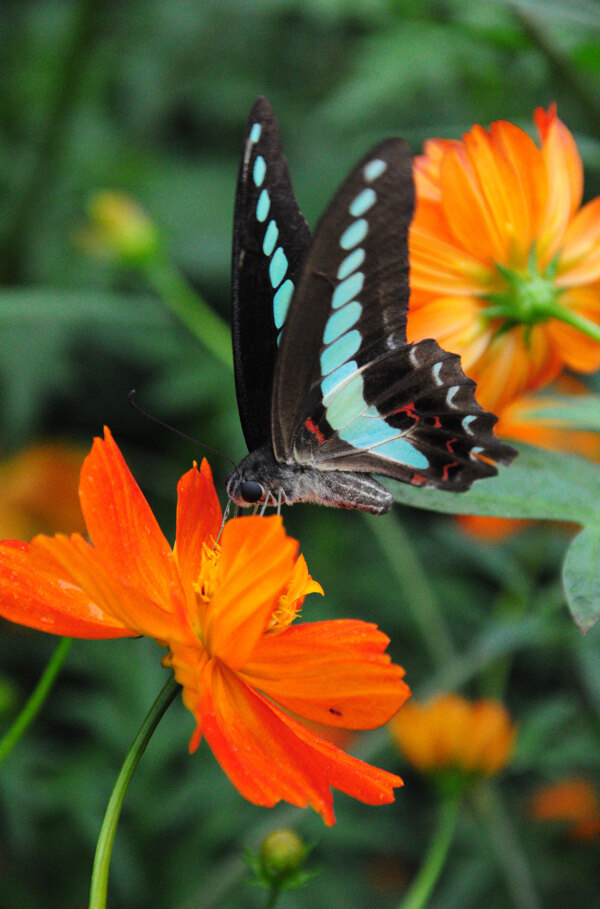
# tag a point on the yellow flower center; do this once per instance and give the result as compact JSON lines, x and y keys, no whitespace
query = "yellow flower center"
{"x":208,"y":581}
{"x":283,"y":615}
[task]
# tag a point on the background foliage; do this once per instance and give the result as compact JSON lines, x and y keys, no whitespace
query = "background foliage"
{"x":151,"y":98}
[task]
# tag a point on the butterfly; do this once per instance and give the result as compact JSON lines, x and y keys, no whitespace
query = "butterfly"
{"x":329,"y":391}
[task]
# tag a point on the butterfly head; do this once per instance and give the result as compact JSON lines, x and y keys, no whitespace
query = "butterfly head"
{"x":259,"y":478}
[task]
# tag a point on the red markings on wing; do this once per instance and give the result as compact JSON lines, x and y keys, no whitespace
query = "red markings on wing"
{"x":314,"y":429}
{"x":409,"y":410}
{"x":447,"y":468}
{"x":437,"y":423}
{"x":418,"y":479}
{"x":449,"y":445}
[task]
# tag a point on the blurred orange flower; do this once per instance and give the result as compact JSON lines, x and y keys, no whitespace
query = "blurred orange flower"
{"x":38,"y":490}
{"x":505,"y":264}
{"x":224,"y":611}
{"x":573,"y":801}
{"x":451,"y":734}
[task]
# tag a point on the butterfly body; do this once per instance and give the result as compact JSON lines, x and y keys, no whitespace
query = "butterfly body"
{"x":329,"y":390}
{"x":276,"y":483}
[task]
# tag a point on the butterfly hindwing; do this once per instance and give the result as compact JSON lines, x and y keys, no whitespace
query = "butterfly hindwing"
{"x":410,"y":414}
{"x":270,"y":240}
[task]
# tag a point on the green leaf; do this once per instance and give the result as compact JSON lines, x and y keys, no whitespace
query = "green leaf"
{"x":539,"y":485}
{"x":568,"y":412}
{"x":581,"y":577}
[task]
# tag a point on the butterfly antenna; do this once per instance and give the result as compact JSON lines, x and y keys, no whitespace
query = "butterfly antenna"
{"x":225,"y":516}
{"x":150,"y":416}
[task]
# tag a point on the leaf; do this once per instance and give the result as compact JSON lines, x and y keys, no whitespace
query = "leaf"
{"x":539,"y":485}
{"x":580,"y":412}
{"x":581,"y":577}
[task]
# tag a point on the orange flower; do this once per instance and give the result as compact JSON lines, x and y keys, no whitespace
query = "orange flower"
{"x":224,"y":611}
{"x":573,"y":801}
{"x":451,"y":734}
{"x":503,"y":257}
{"x":38,"y":490}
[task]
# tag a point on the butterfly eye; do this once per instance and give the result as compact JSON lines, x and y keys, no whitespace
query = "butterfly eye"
{"x":251,"y":491}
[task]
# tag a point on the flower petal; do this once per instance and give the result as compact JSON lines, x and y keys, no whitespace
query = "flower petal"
{"x":198,"y":519}
{"x":256,"y":563}
{"x":580,"y":257}
{"x":34,"y":593}
{"x":74,"y":558}
{"x":467,"y":211}
{"x":270,"y":757}
{"x":564,"y":182}
{"x":578,"y":351}
{"x":334,"y":672}
{"x":122,"y":525}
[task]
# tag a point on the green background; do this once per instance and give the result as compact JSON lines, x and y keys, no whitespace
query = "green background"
{"x":151,"y":98}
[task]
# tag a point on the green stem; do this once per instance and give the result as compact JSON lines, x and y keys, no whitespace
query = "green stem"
{"x":435,"y":858}
{"x":190,"y":308}
{"x":414,"y":588}
{"x":575,"y":319}
{"x":109,"y":825}
{"x":36,"y":699}
{"x":46,"y":155}
{"x":509,"y":852}
{"x":273,"y":898}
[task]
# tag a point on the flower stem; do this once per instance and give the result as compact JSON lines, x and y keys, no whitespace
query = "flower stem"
{"x":109,"y":825}
{"x":273,"y":898}
{"x":435,"y":858}
{"x":415,"y":588}
{"x":575,"y":319}
{"x":181,"y":298}
{"x":36,"y":699}
{"x":511,"y":856}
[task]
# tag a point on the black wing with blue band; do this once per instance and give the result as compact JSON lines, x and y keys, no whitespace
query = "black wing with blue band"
{"x":346,"y":394}
{"x":270,"y":241}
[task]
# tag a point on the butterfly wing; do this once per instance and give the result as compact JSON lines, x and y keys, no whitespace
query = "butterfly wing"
{"x":349,"y":392}
{"x":270,"y":241}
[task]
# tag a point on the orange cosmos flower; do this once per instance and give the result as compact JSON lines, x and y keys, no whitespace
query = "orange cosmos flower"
{"x":573,"y":801}
{"x":502,"y":256}
{"x":38,"y":490}
{"x":451,"y":734}
{"x":224,"y":611}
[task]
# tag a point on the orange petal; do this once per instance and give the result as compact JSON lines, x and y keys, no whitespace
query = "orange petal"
{"x":578,"y":351}
{"x":438,"y":264}
{"x":553,"y":130}
{"x":34,"y":593}
{"x":580,"y":256}
{"x":269,"y":757}
{"x":122,"y":526}
{"x":74,"y":558}
{"x":467,"y":211}
{"x":564,"y":182}
{"x":198,"y":519}
{"x":455,"y":323}
{"x":527,"y":165}
{"x":333,"y":672}
{"x":504,"y":196}
{"x":256,"y":563}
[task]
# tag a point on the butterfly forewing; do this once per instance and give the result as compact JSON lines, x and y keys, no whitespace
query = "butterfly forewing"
{"x":351,"y":300}
{"x":349,"y":393}
{"x":270,"y":240}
